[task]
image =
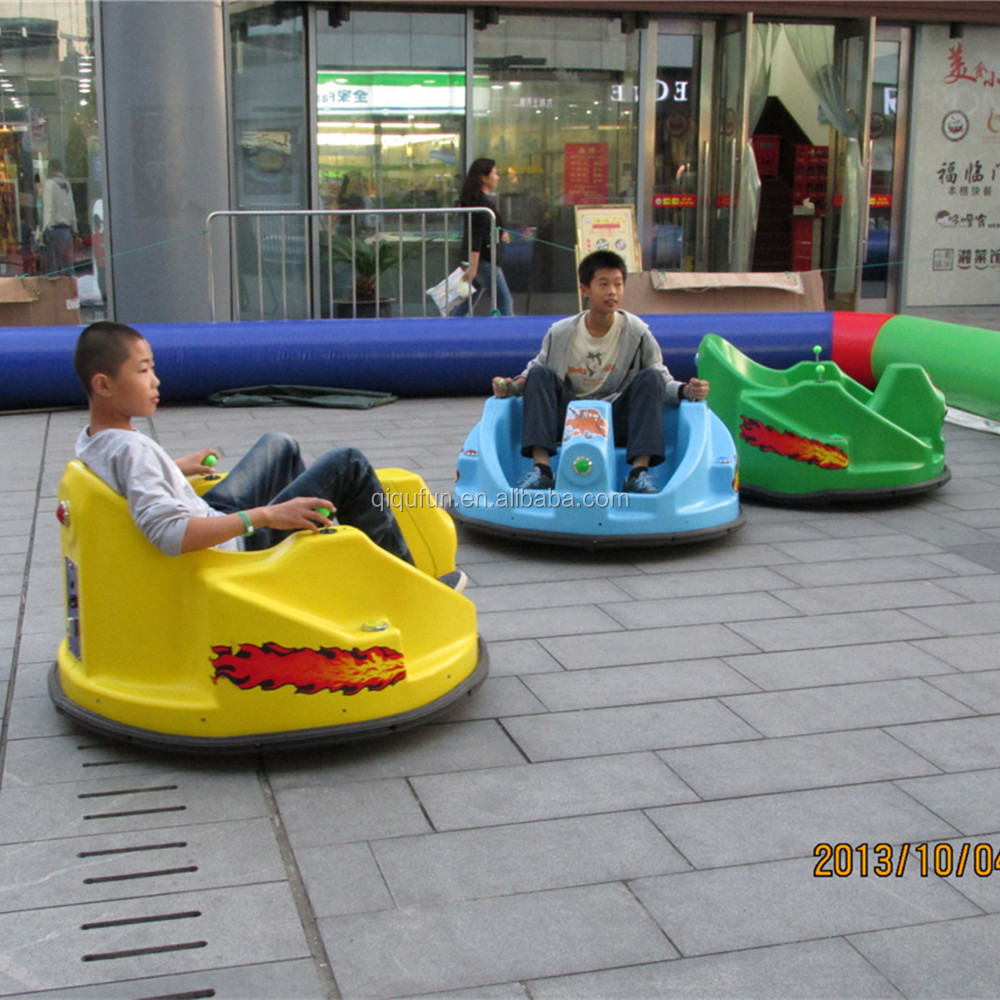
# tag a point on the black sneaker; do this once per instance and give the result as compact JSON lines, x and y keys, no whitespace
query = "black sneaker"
{"x":456,"y":579}
{"x":640,"y":482}
{"x":536,"y":479}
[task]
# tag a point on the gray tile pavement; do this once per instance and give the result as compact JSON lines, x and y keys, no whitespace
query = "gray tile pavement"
{"x":629,"y":807}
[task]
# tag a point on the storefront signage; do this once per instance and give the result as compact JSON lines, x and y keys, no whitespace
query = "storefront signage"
{"x":666,"y":90}
{"x":953,"y":242}
{"x":389,"y":92}
{"x":675,"y":201}
{"x":587,"y":169}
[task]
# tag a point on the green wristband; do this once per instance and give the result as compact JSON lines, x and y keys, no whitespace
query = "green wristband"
{"x":247,"y":522}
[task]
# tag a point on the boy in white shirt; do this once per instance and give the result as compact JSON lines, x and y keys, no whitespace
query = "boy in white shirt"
{"x":604,"y":353}
{"x":268,"y":494}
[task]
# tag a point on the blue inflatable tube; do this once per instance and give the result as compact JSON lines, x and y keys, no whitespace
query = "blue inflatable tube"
{"x":409,"y":357}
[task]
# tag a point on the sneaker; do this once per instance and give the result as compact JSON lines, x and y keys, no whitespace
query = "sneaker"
{"x":536,"y":479}
{"x":641,"y":482}
{"x":456,"y":579}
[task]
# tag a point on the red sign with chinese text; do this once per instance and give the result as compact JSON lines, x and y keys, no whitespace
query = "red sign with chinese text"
{"x":588,"y":168}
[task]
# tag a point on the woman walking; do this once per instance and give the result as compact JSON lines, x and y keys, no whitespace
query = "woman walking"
{"x":478,"y":191}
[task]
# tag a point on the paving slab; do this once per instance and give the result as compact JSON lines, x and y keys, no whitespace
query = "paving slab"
{"x":795,"y":762}
{"x":779,"y":902}
{"x":791,"y":824}
{"x":791,"y":971}
{"x":970,"y":801}
{"x":267,"y":981}
{"x":84,"y":945}
{"x":844,"y":706}
{"x":122,"y":865}
{"x":629,"y":807}
{"x":548,"y":790}
{"x":945,"y":959}
{"x":491,"y":940}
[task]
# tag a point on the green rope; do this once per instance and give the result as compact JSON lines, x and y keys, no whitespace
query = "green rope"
{"x":124,"y":253}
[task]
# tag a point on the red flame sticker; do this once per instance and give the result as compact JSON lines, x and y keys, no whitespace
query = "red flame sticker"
{"x":271,"y":666}
{"x":793,"y":446}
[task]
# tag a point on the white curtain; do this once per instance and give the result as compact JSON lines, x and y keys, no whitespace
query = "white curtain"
{"x":748,"y":204}
{"x":813,"y":45}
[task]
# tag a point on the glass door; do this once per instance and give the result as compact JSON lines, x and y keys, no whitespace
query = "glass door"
{"x":678,"y":158}
{"x":730,"y":196}
{"x":849,"y":106}
{"x":890,"y":90}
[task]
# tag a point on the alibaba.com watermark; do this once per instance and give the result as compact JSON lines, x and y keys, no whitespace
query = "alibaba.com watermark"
{"x":515,"y":499}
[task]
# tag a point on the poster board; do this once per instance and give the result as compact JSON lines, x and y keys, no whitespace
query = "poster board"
{"x":608,"y":227}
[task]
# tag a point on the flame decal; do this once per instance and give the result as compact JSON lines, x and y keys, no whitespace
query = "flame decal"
{"x":793,"y":446}
{"x":585,"y":421}
{"x":271,"y":666}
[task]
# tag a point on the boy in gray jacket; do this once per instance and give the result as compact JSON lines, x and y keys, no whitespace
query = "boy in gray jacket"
{"x":604,"y":353}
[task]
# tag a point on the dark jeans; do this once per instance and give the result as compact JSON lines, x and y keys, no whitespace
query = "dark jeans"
{"x":272,"y":471}
{"x":59,"y":256}
{"x":637,"y":414}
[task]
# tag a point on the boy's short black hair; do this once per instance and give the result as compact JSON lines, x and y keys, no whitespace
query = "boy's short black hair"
{"x":102,"y":349}
{"x":600,"y":260}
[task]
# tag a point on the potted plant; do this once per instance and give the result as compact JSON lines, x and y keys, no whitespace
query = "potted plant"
{"x":371,"y":257}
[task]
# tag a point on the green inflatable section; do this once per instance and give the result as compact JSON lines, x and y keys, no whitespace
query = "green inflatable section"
{"x":962,"y":361}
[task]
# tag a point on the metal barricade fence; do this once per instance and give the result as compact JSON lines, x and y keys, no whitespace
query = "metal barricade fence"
{"x":301,"y":264}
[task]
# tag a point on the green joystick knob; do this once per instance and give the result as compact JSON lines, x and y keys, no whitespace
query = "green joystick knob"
{"x":209,"y":460}
{"x":325,"y":511}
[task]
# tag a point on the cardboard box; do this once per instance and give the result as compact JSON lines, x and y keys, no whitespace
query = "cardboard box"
{"x":39,"y":301}
{"x":722,"y":292}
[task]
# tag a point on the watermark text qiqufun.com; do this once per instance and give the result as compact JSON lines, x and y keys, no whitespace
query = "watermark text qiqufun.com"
{"x":515,"y":499}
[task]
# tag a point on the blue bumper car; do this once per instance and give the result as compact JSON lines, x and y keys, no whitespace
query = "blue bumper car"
{"x":697,"y":496}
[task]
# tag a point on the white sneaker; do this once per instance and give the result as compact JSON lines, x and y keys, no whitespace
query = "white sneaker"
{"x":456,"y":579}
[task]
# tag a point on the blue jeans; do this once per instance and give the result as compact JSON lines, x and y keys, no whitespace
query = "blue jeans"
{"x":482,"y":284}
{"x":273,"y":471}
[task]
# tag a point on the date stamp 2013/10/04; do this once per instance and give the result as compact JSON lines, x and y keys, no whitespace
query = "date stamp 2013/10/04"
{"x":888,"y":860}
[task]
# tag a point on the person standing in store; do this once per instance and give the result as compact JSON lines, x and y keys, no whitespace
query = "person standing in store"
{"x":58,"y":221}
{"x":479,"y":191}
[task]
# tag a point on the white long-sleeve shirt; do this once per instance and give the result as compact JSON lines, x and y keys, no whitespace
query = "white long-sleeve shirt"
{"x":160,"y":498}
{"x":58,"y":208}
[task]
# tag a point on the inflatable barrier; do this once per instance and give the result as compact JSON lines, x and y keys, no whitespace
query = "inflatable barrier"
{"x":439,"y":356}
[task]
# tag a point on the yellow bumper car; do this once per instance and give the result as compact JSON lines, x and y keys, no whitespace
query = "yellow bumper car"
{"x":322,"y":638}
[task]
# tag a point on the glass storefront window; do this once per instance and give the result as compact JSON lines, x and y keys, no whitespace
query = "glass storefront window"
{"x":390,"y":102}
{"x":885,"y":90}
{"x":555,"y":104}
{"x":49,"y":147}
{"x":675,"y":193}
{"x":390,"y":98}
{"x":271,"y":148}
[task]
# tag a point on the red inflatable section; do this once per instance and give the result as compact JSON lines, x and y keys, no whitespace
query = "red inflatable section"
{"x":853,"y":337}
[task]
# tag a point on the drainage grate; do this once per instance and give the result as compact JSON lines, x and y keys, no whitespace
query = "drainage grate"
{"x":113,"y":890}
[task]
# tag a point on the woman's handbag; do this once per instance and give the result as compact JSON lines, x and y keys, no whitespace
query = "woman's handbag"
{"x":452,"y":290}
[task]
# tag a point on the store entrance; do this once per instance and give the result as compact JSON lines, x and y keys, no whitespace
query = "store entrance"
{"x":803,"y":155}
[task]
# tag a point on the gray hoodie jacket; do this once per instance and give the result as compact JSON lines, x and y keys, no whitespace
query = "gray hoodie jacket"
{"x":637,"y":349}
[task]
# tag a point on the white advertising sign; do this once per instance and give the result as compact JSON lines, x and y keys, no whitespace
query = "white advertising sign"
{"x":953,"y":246}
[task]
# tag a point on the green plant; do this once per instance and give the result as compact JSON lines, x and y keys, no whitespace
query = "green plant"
{"x":370,"y":258}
